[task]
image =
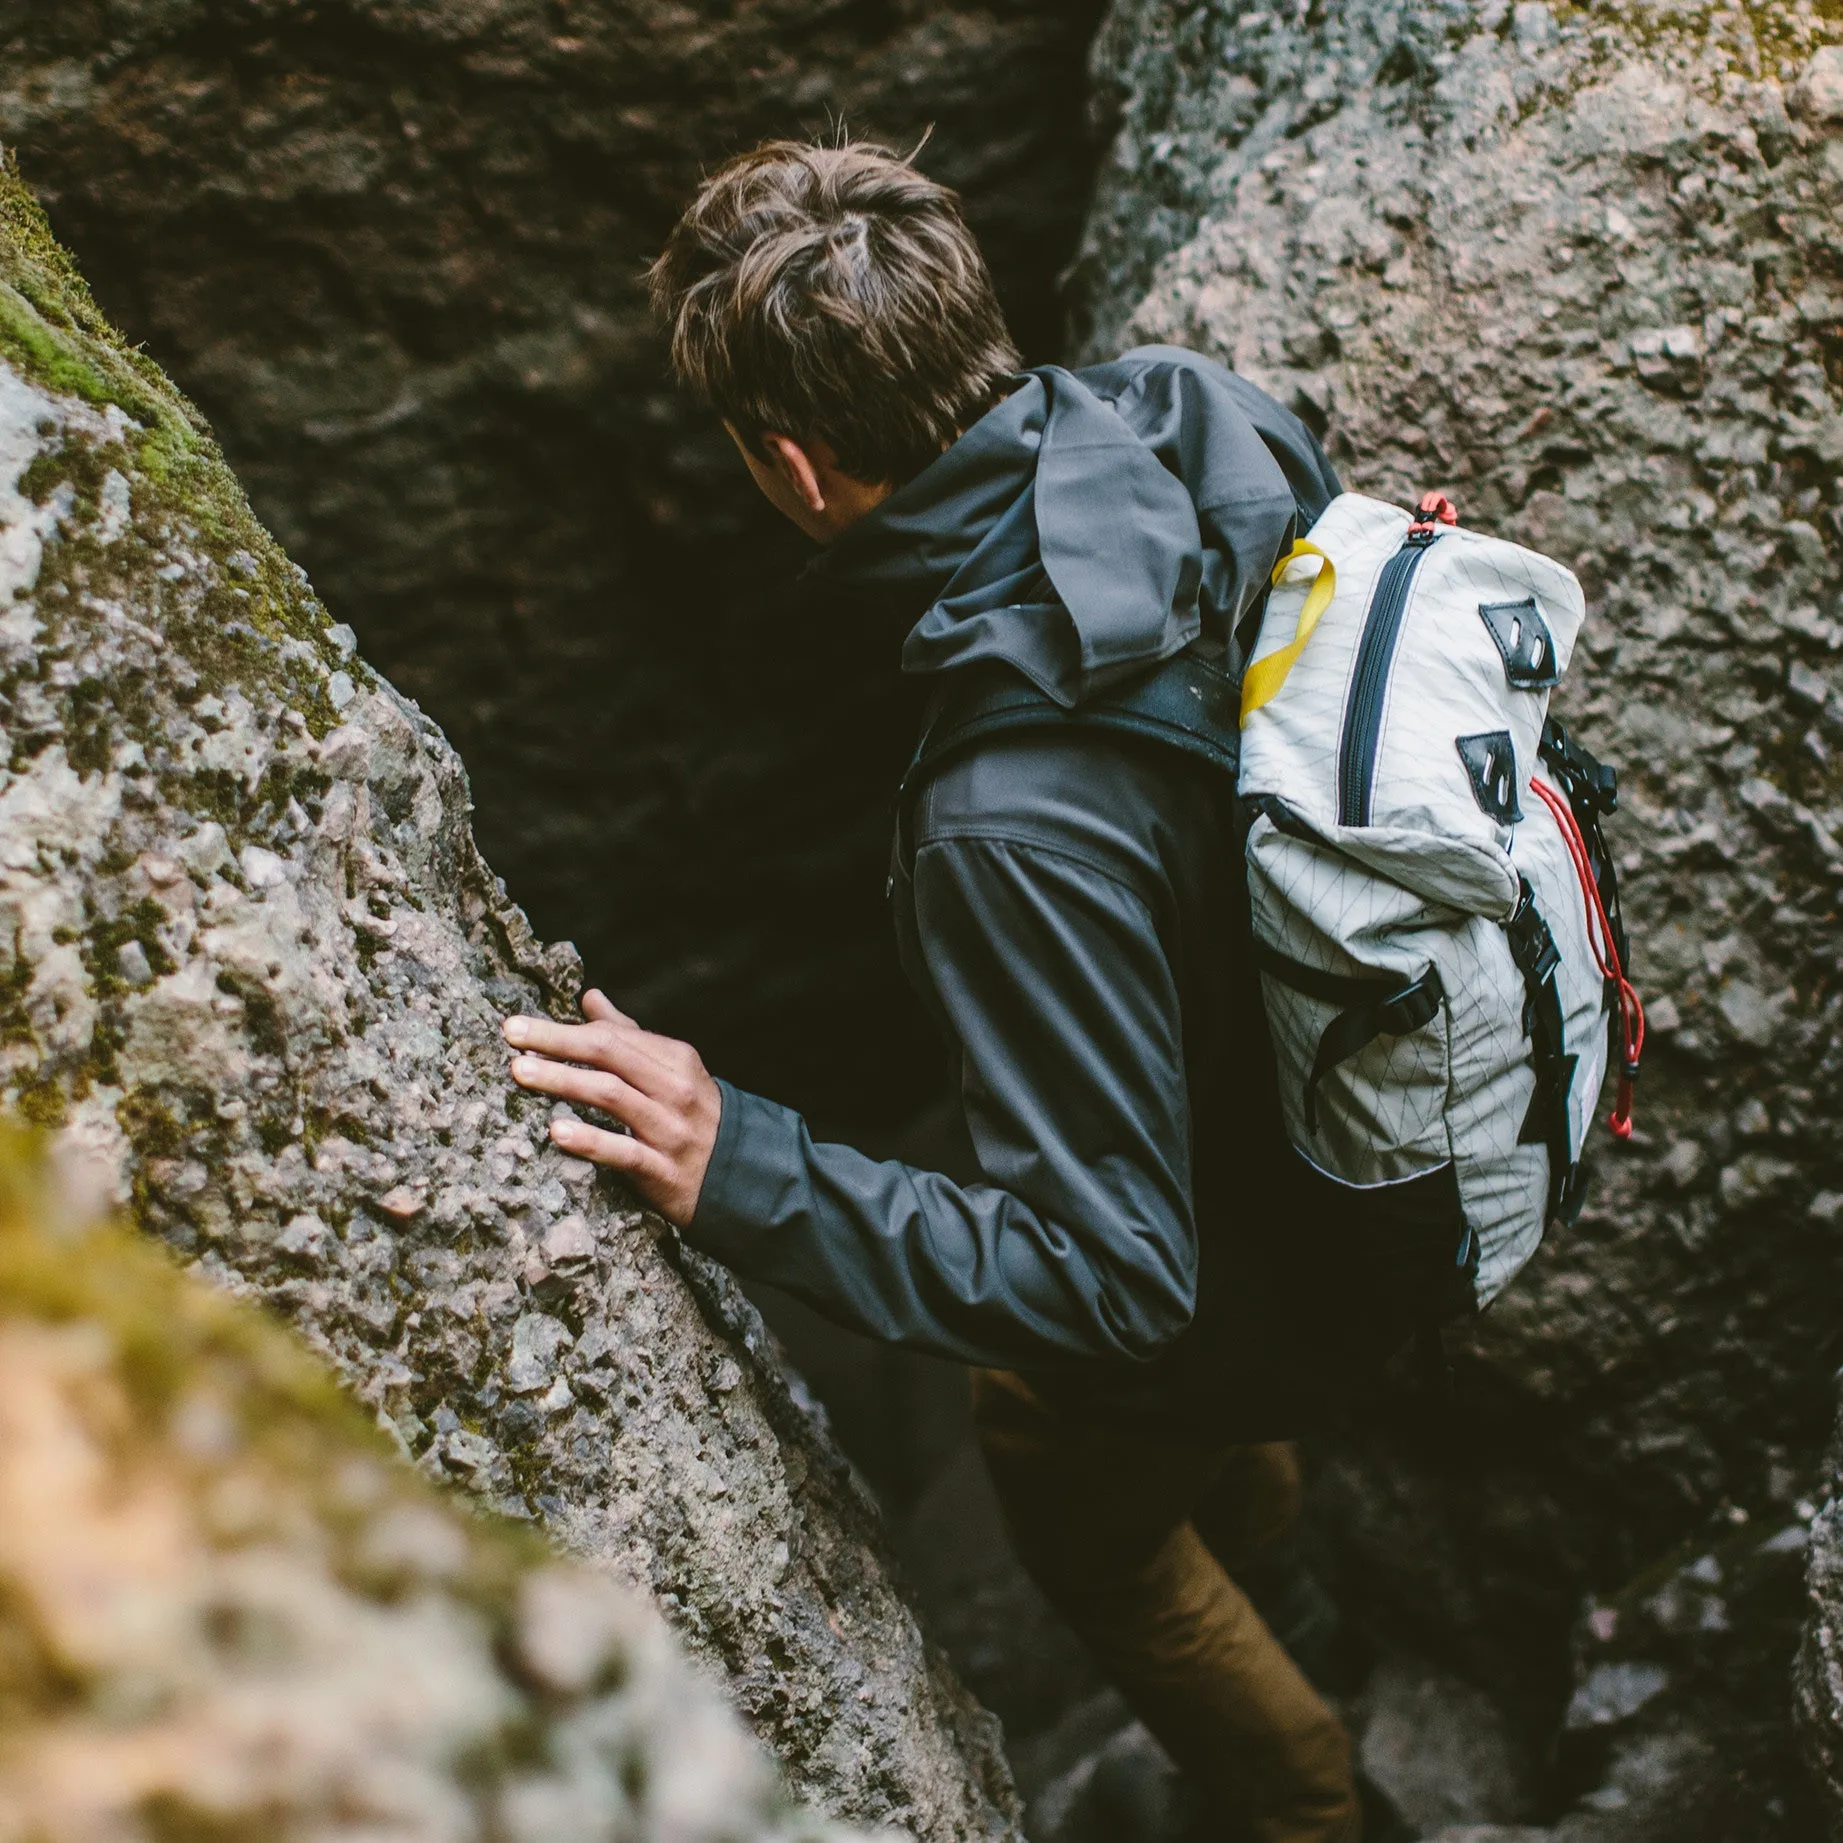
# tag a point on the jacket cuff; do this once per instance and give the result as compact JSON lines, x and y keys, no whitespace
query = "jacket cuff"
{"x":730,"y":1213}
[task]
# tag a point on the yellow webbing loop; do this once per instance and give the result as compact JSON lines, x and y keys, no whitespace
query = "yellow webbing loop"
{"x":1267,"y":675}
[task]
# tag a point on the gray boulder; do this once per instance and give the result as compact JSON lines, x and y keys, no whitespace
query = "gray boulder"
{"x":227,"y":1608}
{"x":255,"y":967}
{"x":1579,"y":269}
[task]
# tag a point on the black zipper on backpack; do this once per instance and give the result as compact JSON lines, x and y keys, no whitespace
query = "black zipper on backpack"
{"x":1356,"y":766}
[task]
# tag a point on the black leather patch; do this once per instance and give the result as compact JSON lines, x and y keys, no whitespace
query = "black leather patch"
{"x":1523,"y":637}
{"x":1491,"y":762}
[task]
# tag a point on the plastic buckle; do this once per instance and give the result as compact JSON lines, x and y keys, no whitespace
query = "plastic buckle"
{"x":1434,"y":510}
{"x":1532,"y":946}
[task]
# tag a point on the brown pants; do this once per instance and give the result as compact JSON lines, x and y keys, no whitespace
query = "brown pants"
{"x":1102,"y":1518}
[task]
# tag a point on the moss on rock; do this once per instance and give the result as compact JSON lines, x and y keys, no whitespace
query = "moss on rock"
{"x":229,"y":1610}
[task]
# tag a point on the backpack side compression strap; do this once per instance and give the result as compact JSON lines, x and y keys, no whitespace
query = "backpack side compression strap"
{"x":1372,"y":1007}
{"x":1533,"y":949}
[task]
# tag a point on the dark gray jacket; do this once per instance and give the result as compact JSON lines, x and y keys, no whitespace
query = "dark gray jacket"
{"x":1066,"y":905}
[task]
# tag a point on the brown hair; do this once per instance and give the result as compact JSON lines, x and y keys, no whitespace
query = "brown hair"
{"x":834,"y":294}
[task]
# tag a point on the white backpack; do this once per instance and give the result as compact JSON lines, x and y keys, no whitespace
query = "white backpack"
{"x":1434,"y":912}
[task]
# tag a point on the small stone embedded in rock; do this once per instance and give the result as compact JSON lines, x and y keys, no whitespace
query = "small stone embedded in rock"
{"x":1439,"y":1748}
{"x":115,"y":506}
{"x":1749,"y":1013}
{"x":1753,"y":1177}
{"x":1612,"y":1693}
{"x":1762,"y":795}
{"x":132,"y":963}
{"x":1662,"y":1016}
{"x":569,"y":1242}
{"x":402,"y":1203}
{"x":263,"y":869}
{"x":574,"y":1633}
{"x":1533,"y":24}
{"x":519,"y":1422}
{"x":537,"y":1340}
{"x":205,"y":850}
{"x":340,"y":690}
{"x":303,"y":1236}
{"x":1805,"y":686}
{"x":1818,"y":93}
{"x":1682,"y":1164}
{"x":467,"y":1451}
{"x":345,"y":753}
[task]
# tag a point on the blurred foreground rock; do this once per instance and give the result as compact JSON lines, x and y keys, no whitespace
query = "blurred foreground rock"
{"x":394,"y":249}
{"x":228,"y":1609}
{"x":1582,"y":268}
{"x":254,"y":963}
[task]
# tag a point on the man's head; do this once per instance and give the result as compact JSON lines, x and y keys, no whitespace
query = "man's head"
{"x":833,"y":307}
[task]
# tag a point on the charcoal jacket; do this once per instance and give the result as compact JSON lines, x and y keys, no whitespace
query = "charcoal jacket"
{"x":1065,"y":902}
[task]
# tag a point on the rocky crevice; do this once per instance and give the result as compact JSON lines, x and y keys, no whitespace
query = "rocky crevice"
{"x":395,"y":253}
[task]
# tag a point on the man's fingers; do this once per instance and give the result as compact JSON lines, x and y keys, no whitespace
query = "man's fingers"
{"x":647,"y":1167}
{"x":621,"y":1048}
{"x":593,"y":1088}
{"x":598,"y":1008}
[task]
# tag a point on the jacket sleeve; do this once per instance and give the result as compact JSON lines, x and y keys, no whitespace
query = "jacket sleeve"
{"x":1080,"y":1240}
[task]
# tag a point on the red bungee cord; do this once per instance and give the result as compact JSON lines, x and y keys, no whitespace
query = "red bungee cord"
{"x":1606,"y":957}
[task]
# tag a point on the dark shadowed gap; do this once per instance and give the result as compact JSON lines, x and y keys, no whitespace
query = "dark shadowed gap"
{"x":396,"y":258}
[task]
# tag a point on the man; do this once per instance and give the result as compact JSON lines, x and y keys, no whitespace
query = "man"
{"x":1125,"y":1274}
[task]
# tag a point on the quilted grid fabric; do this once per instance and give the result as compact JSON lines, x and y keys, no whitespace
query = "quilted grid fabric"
{"x":1430,"y":881}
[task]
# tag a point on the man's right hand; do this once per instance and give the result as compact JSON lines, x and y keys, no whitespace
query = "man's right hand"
{"x":657,"y":1087}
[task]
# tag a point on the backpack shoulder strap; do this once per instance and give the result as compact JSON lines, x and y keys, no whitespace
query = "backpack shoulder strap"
{"x":1186,"y":704}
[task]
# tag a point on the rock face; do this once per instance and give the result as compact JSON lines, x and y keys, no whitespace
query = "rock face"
{"x":228,"y":1609}
{"x":256,"y":964}
{"x":1819,"y":1677}
{"x":394,"y":251}
{"x":1579,"y":267}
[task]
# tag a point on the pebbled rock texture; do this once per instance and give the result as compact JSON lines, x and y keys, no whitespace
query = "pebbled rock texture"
{"x":1581,"y":267}
{"x":228,"y":1609}
{"x":253,"y":961}
{"x":1819,"y":1676}
{"x":394,"y":249}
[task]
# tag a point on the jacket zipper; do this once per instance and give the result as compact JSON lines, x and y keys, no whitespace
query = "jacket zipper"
{"x":1356,"y":771}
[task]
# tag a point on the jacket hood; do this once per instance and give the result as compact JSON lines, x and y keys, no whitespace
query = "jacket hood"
{"x":1091,"y":524}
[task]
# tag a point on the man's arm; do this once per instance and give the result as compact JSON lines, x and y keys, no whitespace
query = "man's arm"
{"x":1081,"y":1241}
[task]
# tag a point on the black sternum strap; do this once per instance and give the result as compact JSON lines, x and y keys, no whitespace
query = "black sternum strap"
{"x":1547,"y":1123}
{"x":1373,"y":1008}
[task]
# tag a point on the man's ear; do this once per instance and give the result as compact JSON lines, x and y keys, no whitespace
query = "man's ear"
{"x":795,"y":466}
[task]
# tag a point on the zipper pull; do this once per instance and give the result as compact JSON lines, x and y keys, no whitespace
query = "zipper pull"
{"x":1435,"y":510}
